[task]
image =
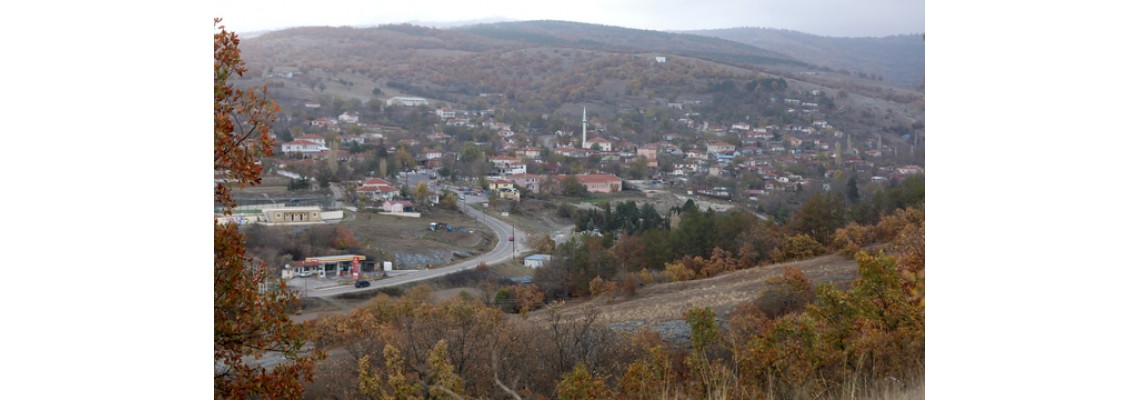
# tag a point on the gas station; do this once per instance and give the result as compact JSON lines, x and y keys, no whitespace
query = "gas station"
{"x":327,"y":266}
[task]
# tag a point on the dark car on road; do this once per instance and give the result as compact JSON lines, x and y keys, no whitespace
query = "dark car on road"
{"x":360,"y":284}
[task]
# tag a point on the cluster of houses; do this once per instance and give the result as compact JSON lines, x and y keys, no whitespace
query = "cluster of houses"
{"x":738,"y":148}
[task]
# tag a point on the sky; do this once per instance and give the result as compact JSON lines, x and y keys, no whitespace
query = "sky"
{"x":818,"y":17}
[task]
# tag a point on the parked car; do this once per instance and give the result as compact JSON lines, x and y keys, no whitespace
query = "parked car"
{"x":361,"y":284}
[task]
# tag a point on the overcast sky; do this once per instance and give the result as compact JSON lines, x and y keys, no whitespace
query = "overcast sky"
{"x":819,"y":17}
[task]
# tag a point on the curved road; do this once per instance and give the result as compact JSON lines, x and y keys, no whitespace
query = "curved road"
{"x":500,"y":253}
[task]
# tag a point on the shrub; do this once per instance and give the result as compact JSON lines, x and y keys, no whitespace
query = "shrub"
{"x":851,"y":238}
{"x":784,"y":294}
{"x":797,"y":247}
{"x":629,"y":284}
{"x":677,"y":272}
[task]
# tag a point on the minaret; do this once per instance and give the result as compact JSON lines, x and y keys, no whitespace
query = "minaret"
{"x":583,"y":127}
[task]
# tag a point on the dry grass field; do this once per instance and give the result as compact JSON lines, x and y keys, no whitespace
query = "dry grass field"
{"x":668,"y":301}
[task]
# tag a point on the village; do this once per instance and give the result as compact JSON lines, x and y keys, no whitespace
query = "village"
{"x":768,"y":158}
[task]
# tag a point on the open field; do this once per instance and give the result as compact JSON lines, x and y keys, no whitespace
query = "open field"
{"x":414,"y":245}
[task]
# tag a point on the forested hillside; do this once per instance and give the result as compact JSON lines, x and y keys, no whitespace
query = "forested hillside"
{"x":900,"y":59}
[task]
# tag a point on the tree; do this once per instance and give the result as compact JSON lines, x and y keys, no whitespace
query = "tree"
{"x":572,"y":188}
{"x":250,"y":319}
{"x":421,"y":193}
{"x":852,"y":190}
{"x":820,"y":216}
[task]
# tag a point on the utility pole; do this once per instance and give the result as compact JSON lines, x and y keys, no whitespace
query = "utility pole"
{"x":512,"y":241}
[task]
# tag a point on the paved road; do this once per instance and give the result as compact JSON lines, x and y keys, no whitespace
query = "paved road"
{"x":501,"y":252}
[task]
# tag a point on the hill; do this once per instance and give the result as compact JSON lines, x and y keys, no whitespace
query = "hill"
{"x":612,"y":38}
{"x":536,"y":68}
{"x":899,"y":59}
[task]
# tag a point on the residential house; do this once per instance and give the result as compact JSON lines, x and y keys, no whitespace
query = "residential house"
{"x":377,"y":193}
{"x":318,"y":139}
{"x":501,"y":184}
{"x":648,"y":151}
{"x":377,"y":189}
{"x":341,"y":155}
{"x":529,"y":152}
{"x":531,"y":182}
{"x":507,"y":166}
{"x":750,"y":150}
{"x":431,"y":154}
{"x":719,"y":146}
{"x":324,"y":123}
{"x":349,"y":117}
{"x":398,"y":206}
{"x":602,"y":143}
{"x":725,"y":156}
{"x":445,"y":112}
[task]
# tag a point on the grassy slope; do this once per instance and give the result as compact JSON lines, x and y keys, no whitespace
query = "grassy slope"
{"x":669,"y":301}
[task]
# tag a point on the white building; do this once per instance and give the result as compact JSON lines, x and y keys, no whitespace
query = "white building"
{"x":536,"y":260}
{"x":349,"y":117}
{"x":407,"y":101}
{"x":302,"y":146}
{"x":508,"y":166}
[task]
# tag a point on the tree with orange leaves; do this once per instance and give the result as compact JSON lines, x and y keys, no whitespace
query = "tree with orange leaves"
{"x":251,"y":307}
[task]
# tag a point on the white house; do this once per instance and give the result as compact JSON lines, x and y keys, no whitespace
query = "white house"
{"x":508,"y":166}
{"x":603,"y":144}
{"x":536,"y":260}
{"x":445,"y":113}
{"x":718,"y":146}
{"x":318,"y":139}
{"x":349,"y":117}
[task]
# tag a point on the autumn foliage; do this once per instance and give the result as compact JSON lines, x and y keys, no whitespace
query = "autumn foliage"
{"x":251,"y":307}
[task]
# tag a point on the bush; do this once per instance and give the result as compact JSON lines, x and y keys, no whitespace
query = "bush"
{"x":677,"y":272}
{"x":851,"y":238}
{"x":785,"y":294}
{"x":298,"y":184}
{"x":797,"y":247}
{"x":629,"y":284}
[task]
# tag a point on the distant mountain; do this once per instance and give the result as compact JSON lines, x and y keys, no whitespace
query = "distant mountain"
{"x":457,"y":24}
{"x":899,"y":59}
{"x":612,"y":38}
